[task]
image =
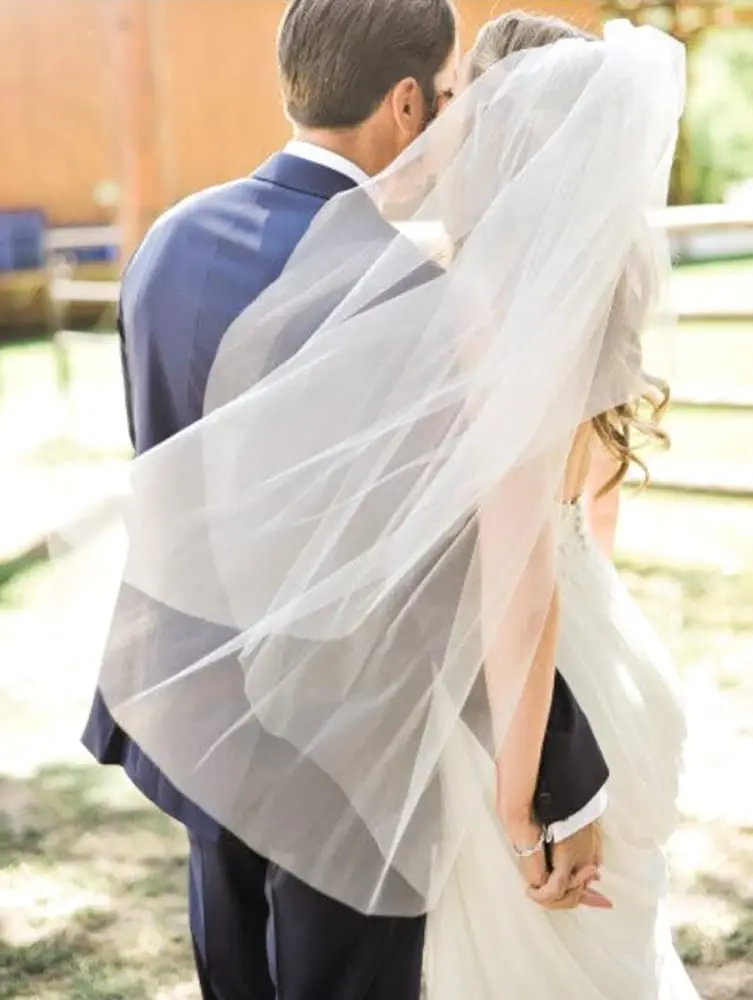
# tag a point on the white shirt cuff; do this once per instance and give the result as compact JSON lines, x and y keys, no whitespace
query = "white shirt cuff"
{"x":590,"y":812}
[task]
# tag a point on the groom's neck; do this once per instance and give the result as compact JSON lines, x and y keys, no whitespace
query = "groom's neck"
{"x":359,"y":145}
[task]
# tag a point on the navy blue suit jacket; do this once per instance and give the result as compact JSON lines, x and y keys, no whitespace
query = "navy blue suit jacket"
{"x":198,"y":268}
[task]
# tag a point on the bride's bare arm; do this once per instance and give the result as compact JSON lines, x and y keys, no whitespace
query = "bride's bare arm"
{"x":520,"y":641}
{"x":519,"y":756}
{"x":521,"y":637}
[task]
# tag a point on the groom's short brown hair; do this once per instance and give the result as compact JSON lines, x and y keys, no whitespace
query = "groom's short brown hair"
{"x":338,"y":59}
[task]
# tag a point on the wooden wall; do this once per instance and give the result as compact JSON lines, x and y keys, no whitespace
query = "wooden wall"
{"x":208,"y":76}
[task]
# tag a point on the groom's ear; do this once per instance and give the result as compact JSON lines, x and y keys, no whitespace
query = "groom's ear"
{"x":408,"y":107}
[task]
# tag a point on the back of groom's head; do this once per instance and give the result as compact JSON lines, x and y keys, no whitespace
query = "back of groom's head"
{"x":339,"y":59}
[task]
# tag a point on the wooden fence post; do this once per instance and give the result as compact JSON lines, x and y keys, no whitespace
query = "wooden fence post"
{"x":141,"y":188}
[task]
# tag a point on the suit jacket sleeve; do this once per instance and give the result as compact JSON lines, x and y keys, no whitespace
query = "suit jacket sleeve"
{"x":573,"y":769}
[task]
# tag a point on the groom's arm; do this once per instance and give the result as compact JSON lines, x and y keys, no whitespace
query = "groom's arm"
{"x":571,"y":787}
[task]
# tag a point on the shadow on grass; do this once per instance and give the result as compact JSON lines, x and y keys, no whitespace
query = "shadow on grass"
{"x":70,"y":959}
{"x":733,"y":888}
{"x":59,"y":804}
{"x":96,"y":884}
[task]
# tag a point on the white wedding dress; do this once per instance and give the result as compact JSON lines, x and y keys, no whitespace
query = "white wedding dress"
{"x":486,"y":940}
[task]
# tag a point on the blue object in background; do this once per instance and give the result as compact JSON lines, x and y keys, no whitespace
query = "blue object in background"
{"x":92,"y":255}
{"x":21,"y":240}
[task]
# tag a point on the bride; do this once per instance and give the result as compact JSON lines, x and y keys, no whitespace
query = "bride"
{"x":386,"y":533}
{"x":621,"y":676}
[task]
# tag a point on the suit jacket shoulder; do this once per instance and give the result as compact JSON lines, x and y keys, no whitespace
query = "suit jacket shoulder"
{"x":202,"y":263}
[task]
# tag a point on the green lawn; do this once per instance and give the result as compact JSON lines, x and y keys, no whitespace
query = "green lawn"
{"x":712,"y":267}
{"x":690,"y":564}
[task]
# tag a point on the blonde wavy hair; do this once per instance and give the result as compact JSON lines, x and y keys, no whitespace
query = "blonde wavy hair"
{"x":623,"y":429}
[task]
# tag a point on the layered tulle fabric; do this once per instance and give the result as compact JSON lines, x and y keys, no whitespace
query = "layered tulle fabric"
{"x":352,"y":556}
{"x":486,"y":940}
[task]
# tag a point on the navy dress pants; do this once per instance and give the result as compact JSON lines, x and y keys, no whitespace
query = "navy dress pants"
{"x":261,"y":934}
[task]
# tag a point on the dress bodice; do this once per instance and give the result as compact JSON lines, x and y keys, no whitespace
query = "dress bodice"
{"x":573,"y":519}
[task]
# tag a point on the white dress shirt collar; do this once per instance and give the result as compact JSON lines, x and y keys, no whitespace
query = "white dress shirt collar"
{"x":326,"y":158}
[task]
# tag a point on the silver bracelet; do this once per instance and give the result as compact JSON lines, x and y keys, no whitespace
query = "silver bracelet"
{"x":529,"y":852}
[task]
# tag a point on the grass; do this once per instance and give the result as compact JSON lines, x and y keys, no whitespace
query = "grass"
{"x":56,"y":447}
{"x":92,"y":878}
{"x":689,"y":563}
{"x":79,"y":418}
{"x":19,"y":566}
{"x":94,"y":882}
{"x":27,"y":364}
{"x":732,"y":265}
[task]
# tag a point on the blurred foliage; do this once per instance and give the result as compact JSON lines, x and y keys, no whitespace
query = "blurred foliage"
{"x":719,"y":118}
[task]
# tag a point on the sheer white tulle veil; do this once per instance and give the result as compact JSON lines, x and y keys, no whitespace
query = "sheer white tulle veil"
{"x":352,"y":554}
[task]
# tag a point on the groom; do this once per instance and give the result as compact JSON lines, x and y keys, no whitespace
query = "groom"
{"x":361,"y":79}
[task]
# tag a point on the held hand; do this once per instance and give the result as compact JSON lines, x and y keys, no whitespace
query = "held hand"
{"x":575,"y":865}
{"x":526,"y":838}
{"x":547,"y":887}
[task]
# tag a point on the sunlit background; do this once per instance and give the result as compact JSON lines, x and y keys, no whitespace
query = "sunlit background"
{"x":110,"y":111}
